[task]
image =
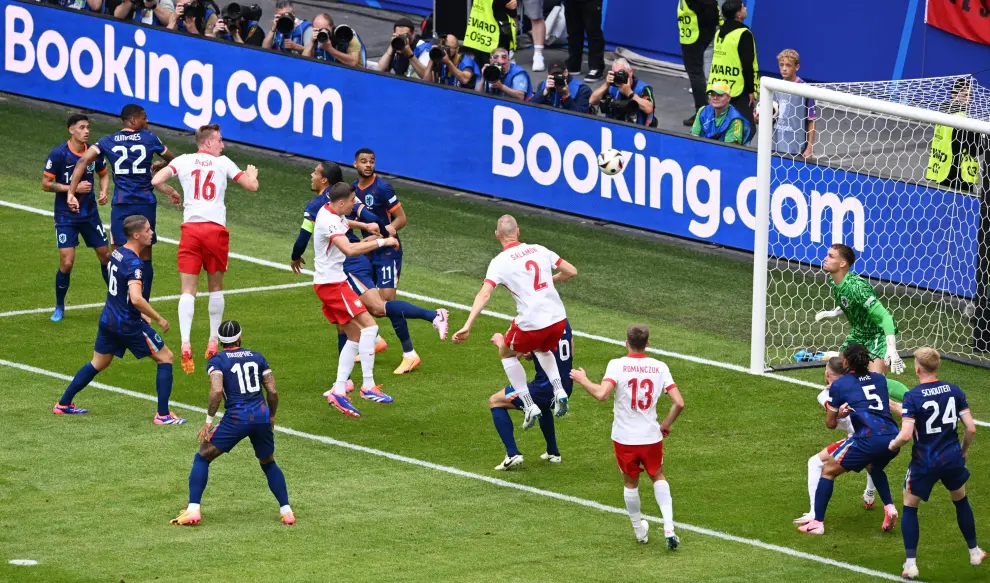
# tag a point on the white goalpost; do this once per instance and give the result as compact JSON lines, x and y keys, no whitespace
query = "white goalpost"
{"x":876,"y":183}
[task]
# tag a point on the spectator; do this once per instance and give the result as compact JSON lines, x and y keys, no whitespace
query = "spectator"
{"x":406,"y":53}
{"x":240,"y":25}
{"x":697,"y":21}
{"x":953,"y":161}
{"x":491,"y":24}
{"x":502,"y":77}
{"x":84,"y":5}
{"x":454,"y":68}
{"x":734,"y":60}
{"x":288,"y":34}
{"x":192,"y":17}
{"x":335,"y":44}
{"x":794,"y":126}
{"x":584,"y":18}
{"x":719,"y":120}
{"x":153,"y":12}
{"x":563,"y":91}
{"x":533,"y":9}
{"x":624,"y":97}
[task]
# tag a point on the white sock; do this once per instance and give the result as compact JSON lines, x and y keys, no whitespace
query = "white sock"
{"x":869,"y":483}
{"x":187,"y":307}
{"x":912,"y":562}
{"x":661,"y":489}
{"x":815,"y":466}
{"x":367,"y":351}
{"x":411,"y":354}
{"x":192,"y":507}
{"x":538,"y":48}
{"x":631,"y":496}
{"x":517,"y":378}
{"x":216,"y":312}
{"x":284,"y":510}
{"x":344,"y":367}
{"x":549,"y":365}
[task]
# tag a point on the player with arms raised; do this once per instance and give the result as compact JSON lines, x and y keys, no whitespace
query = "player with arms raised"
{"x":639,"y":381}
{"x":122,"y":327}
{"x":205,"y":241}
{"x":130,"y":153}
{"x":236,"y":377}
{"x":85,"y":220}
{"x":872,"y":324}
{"x":931,"y":414}
{"x":540,"y":322}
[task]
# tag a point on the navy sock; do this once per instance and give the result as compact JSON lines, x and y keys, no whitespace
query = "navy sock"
{"x":409,"y":311}
{"x":341,"y":341}
{"x":104,"y":271}
{"x":197,"y":478}
{"x":822,"y":495}
{"x":401,"y":327}
{"x":882,"y":485}
{"x":276,"y":482}
{"x":503,"y":424}
{"x":61,"y":287}
{"x":549,"y":433}
{"x":909,"y":530}
{"x":79,"y":382}
{"x":148,"y":277}
{"x":967,"y":524}
{"x":163,"y":386}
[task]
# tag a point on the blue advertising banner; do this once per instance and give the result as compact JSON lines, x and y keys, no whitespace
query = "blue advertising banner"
{"x":672,"y":184}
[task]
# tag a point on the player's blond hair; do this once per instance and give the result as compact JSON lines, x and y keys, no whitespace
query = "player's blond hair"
{"x":637,"y":336}
{"x":928,"y":359}
{"x":789,"y":54}
{"x":507,"y":226}
{"x":206,"y":132}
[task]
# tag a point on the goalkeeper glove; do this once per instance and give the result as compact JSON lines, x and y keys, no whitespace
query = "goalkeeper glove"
{"x":893,"y":359}
{"x":828,"y":314}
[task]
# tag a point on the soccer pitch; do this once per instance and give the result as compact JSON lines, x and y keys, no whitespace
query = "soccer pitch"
{"x":407,"y":492}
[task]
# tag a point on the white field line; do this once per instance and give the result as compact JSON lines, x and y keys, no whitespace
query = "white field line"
{"x":666,"y":353}
{"x":482,"y":478}
{"x":226,"y":292}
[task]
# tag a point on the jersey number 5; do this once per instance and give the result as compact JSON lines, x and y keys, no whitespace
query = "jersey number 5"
{"x":647,"y":400}
{"x":876,"y":403}
{"x":204,"y":187}
{"x":535,"y":268}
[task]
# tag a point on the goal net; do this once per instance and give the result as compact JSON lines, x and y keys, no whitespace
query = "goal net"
{"x":897,"y":172}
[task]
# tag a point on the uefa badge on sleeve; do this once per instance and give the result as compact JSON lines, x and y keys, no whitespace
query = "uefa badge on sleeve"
{"x":137,"y":274}
{"x":844,"y":301}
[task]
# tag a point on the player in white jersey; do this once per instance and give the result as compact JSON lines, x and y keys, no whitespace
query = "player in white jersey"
{"x":341,"y":305}
{"x":205,"y":241}
{"x":639,"y":381}
{"x":527,"y":272}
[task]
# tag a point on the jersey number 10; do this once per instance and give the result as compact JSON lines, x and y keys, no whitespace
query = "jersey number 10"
{"x":247,"y":377}
{"x":206,"y":188}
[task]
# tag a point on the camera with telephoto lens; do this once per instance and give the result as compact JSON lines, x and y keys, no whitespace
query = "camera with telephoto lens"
{"x":193,"y":10}
{"x":492,"y":73}
{"x":342,"y":36}
{"x":437,"y":53}
{"x":285,"y":24}
{"x":620,"y":77}
{"x":234,"y":12}
{"x":620,"y":109}
{"x":399,"y":43}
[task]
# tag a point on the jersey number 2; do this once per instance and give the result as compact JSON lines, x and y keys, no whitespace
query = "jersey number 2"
{"x":208,"y":190}
{"x":647,"y":400}
{"x":535,"y":268}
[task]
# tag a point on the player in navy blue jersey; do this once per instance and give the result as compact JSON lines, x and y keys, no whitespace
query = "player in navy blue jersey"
{"x":931,"y":413}
{"x":236,"y":377}
{"x":85,"y":220}
{"x":123,"y":326}
{"x":130,"y":154}
{"x":542,"y":393}
{"x":863,"y":397}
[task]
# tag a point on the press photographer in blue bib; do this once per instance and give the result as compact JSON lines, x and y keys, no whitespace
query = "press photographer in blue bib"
{"x":407,"y":54}
{"x":335,"y":44}
{"x":288,"y":34}
{"x":502,"y":77}
{"x":449,"y":66}
{"x":193,"y":17}
{"x":239,"y":24}
{"x":624,"y":97}
{"x":562,"y":90}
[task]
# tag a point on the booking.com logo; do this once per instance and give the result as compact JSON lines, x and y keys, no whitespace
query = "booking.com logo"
{"x":125,"y":69}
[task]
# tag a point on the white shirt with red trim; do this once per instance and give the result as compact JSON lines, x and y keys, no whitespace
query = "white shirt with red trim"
{"x":204,"y":184}
{"x":844,"y":424}
{"x":328,"y":260}
{"x":639,"y":382}
{"x":527,"y":272}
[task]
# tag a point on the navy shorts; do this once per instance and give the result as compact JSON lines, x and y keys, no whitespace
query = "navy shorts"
{"x":386,"y":265}
{"x":920,"y":481}
{"x":67,"y":234}
{"x":358,"y":271}
{"x":119,"y":212}
{"x":542,"y":395}
{"x":227,"y":434}
{"x":858,"y":452}
{"x":142,"y":343}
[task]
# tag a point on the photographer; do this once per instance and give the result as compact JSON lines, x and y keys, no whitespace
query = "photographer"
{"x":501,"y":77}
{"x":240,"y":25}
{"x":153,"y":12}
{"x":83,"y":5}
{"x":335,"y":44}
{"x":288,"y":34}
{"x":563,"y":91}
{"x":448,"y":66}
{"x":624,"y":97}
{"x":406,"y":52}
{"x":193,"y":17}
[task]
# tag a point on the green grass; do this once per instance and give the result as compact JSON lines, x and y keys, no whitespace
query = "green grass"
{"x":91,"y":496}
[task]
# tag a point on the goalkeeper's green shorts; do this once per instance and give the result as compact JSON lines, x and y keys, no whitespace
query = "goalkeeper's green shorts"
{"x":876,"y":344}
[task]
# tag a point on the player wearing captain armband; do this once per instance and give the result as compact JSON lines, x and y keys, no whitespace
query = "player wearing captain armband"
{"x":872,"y":324}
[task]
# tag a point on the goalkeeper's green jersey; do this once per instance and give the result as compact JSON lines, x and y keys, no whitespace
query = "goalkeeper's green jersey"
{"x":855,"y":295}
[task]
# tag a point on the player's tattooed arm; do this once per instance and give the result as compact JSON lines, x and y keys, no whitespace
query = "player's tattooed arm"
{"x":216,"y":394}
{"x":271,"y":395}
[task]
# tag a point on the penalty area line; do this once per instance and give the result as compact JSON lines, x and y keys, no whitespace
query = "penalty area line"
{"x":482,"y":478}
